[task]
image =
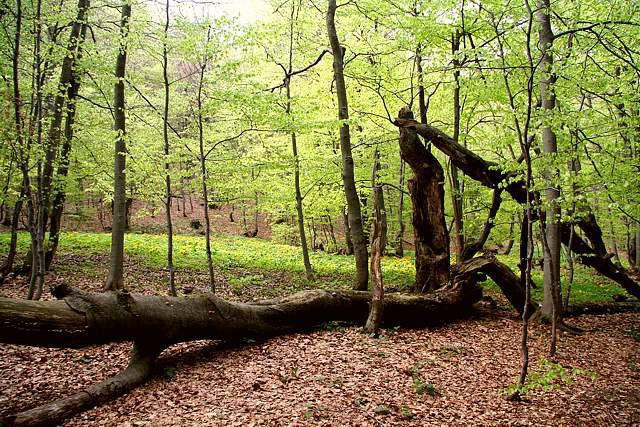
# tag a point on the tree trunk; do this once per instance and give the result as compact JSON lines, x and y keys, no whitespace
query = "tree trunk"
{"x":165,"y":134}
{"x":551,"y":305}
{"x":378,"y":204}
{"x":456,"y":188}
{"x":427,"y":197}
{"x":203,"y":174}
{"x":296,"y":159}
{"x":24,"y":149}
{"x":64,"y":89}
{"x":59,"y":198}
{"x":347,"y":233}
{"x":422,"y":104}
{"x":401,"y":227}
{"x":631,"y":244}
{"x":118,"y":228}
{"x":348,"y":178}
{"x":13,"y":242}
{"x":372,"y":326}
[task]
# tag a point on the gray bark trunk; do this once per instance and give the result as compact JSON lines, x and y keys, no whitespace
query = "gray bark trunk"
{"x":551,"y":307}
{"x":348,"y":178}
{"x":118,"y":228}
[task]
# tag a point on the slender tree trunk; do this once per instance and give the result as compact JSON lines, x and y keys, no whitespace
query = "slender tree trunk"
{"x":507,"y":248}
{"x":203,"y":174}
{"x":456,"y":189}
{"x":119,"y":221}
{"x":13,"y":241}
{"x":38,"y":260}
{"x":59,"y":198}
{"x":332,"y":233}
{"x":348,"y":178}
{"x":422,"y":104}
{"x":38,"y":217}
{"x":378,"y":203}
{"x":165,"y":134}
{"x":401,"y":227}
{"x":571,"y":271}
{"x":256,"y":212}
{"x":296,"y":159}
{"x":551,"y":306}
{"x":64,"y":90}
{"x":23,"y":149}
{"x":374,"y":320}
{"x":347,"y":232}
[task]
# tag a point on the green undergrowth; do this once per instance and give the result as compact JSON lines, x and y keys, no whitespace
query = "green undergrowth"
{"x":253,"y":262}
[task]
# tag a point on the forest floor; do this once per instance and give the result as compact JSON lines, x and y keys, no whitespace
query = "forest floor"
{"x":334,"y":375}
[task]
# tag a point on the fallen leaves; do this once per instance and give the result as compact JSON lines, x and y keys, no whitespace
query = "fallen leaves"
{"x":339,"y":376}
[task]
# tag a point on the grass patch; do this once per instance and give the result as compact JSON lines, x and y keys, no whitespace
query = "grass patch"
{"x":231,"y":253}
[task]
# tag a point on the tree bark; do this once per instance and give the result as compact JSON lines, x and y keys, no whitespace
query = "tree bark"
{"x":456,"y":188}
{"x":427,"y":197}
{"x":203,"y":174}
{"x":64,"y":89}
{"x":551,"y":305}
{"x":401,"y":227}
{"x":165,"y":134}
{"x":59,"y":198}
{"x":118,"y":228}
{"x":374,"y":320}
{"x":348,"y":178}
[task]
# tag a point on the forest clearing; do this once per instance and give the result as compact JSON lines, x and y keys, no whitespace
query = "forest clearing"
{"x":304,"y":212}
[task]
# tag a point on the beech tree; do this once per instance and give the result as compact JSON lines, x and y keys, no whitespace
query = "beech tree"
{"x":118,"y":228}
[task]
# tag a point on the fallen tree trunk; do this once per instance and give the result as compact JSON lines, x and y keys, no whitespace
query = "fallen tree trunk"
{"x":491,"y":175}
{"x":82,"y":318}
{"x":154,"y":322}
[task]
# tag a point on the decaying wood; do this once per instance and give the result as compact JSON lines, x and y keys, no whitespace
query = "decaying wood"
{"x":81,"y":318}
{"x":426,"y":189}
{"x":491,"y":175}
